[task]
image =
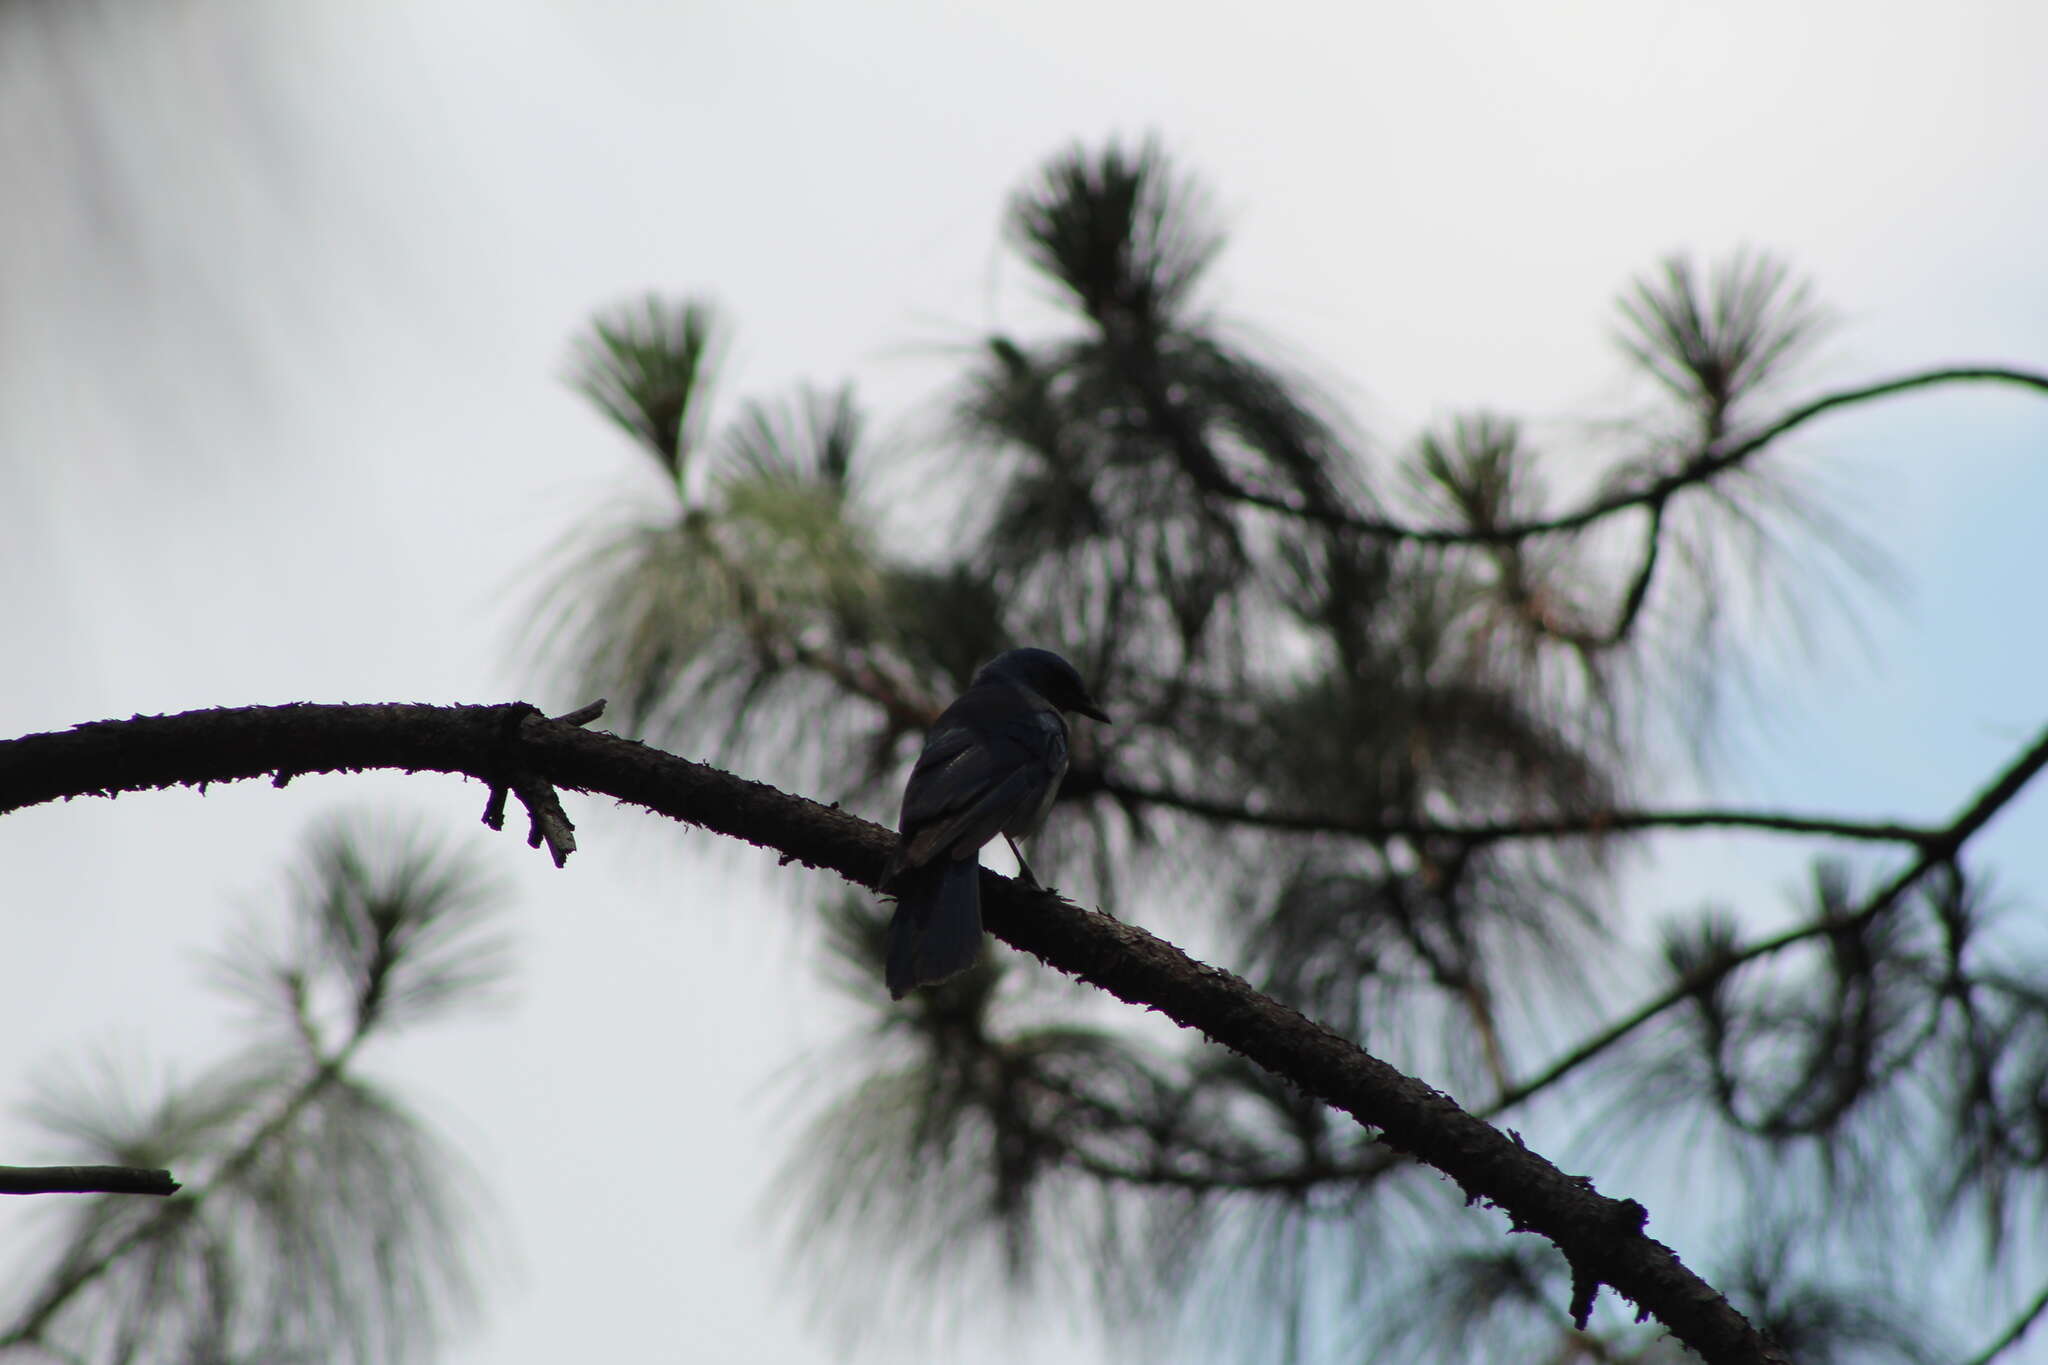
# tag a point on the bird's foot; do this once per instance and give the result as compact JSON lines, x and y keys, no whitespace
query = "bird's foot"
{"x":1024,"y":872}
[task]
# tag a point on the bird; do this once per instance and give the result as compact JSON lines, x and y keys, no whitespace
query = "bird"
{"x":991,"y":764}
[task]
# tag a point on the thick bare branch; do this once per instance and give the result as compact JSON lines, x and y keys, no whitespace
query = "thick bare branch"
{"x":1603,"y":1238}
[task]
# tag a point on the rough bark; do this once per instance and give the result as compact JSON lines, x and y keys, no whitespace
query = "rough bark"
{"x":513,"y":748}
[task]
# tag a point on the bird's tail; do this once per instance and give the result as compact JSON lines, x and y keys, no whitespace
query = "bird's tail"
{"x":936,"y":931}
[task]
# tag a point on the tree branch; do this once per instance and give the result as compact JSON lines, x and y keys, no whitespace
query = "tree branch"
{"x":1936,"y":849}
{"x":1299,"y":1179}
{"x":1588,"y":639}
{"x":1602,"y":1238}
{"x":1080,"y":782}
{"x":1703,"y":467}
{"x":2014,"y":1332}
{"x":85,"y":1180}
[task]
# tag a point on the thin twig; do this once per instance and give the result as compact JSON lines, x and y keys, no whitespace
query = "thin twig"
{"x":85,"y":1180}
{"x":81,"y":1275}
{"x":582,"y":715}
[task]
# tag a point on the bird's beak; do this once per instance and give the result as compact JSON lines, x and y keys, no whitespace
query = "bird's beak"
{"x":1093,"y":712}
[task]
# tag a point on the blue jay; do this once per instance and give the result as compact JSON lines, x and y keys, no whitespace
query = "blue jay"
{"x":991,"y":765}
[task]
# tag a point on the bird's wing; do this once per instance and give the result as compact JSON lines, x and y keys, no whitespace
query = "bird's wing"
{"x":961,"y":831}
{"x":989,"y":761}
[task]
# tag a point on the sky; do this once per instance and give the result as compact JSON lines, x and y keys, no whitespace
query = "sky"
{"x":285,"y":295}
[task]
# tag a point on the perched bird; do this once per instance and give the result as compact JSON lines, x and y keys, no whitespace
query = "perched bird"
{"x":991,"y":765}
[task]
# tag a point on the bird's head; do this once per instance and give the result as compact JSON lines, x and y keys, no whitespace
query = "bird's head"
{"x":1047,"y":674}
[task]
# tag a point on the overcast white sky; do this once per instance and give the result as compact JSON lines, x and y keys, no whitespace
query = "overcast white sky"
{"x":280,"y":421}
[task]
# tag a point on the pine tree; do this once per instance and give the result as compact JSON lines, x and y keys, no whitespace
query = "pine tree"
{"x":1387,"y":723}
